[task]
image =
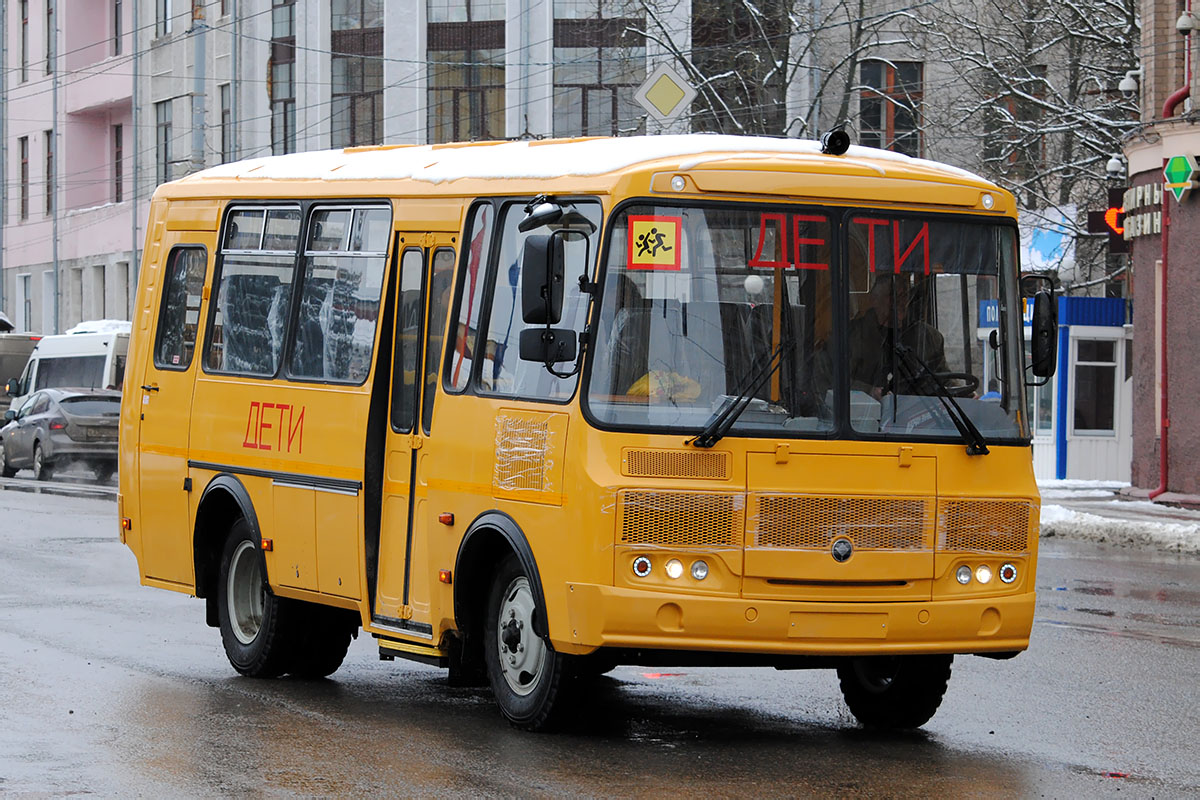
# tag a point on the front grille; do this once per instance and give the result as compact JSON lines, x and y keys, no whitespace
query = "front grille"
{"x":804,"y":522}
{"x":675,"y":464}
{"x":680,"y":519}
{"x":993,"y":526}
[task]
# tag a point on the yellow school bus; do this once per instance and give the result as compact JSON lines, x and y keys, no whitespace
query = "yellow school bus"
{"x":531,"y":410}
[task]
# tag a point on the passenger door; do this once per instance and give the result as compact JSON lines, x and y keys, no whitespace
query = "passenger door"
{"x":401,"y":600}
{"x":168,"y":376}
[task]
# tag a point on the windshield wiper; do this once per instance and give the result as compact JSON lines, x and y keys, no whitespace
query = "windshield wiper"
{"x":723,"y":420}
{"x":976,"y":444}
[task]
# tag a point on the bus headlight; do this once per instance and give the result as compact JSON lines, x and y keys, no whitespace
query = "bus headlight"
{"x":1008,"y":573}
{"x":641,"y":566}
{"x":983,"y":573}
{"x":963,"y":574}
{"x":699,"y":570}
{"x":674,"y":568}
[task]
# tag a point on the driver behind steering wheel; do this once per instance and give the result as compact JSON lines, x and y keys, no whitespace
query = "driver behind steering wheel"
{"x":884,"y":321}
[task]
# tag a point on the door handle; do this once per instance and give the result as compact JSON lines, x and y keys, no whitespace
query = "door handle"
{"x":150,"y":387}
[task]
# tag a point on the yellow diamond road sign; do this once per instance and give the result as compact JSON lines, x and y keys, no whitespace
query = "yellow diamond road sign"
{"x":665,"y":94}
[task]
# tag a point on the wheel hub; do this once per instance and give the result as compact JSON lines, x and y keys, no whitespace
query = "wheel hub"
{"x":522,"y":657}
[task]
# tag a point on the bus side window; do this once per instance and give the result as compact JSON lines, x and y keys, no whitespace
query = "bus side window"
{"x":503,"y":372}
{"x":179,"y":316}
{"x":439,"y":309}
{"x":342,"y":282}
{"x":408,"y":341}
{"x":470,"y":299}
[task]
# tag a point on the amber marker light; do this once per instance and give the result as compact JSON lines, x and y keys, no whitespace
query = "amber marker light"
{"x":126,"y":524}
{"x":446,"y":518}
{"x":444,"y":575}
{"x":268,"y":545}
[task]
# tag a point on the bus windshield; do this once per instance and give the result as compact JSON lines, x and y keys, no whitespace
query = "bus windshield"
{"x":830,"y":321}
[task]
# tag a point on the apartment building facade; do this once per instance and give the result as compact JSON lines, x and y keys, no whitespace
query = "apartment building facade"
{"x":67,"y":209}
{"x":1162,"y":225}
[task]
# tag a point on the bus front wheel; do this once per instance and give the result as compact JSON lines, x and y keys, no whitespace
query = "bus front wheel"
{"x":528,"y":678}
{"x":256,"y":626}
{"x":895,"y":692}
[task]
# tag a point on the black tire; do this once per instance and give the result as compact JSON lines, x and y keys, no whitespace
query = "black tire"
{"x":258,"y":629}
{"x":322,"y":641}
{"x":5,"y":470}
{"x":42,"y":470}
{"x":895,"y":692}
{"x":531,"y":682}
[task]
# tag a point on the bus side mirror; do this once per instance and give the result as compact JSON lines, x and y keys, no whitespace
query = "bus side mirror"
{"x":1044,"y":344}
{"x":13,"y":387}
{"x":548,"y":345}
{"x":543,"y":272}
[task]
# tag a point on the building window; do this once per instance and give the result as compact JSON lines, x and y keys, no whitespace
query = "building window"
{"x":282,"y":87}
{"x":1095,"y":386}
{"x":118,"y":150}
{"x":162,"y":140}
{"x":23,"y":149}
{"x":889,"y":105}
{"x":466,"y":70}
{"x":226,"y":124}
{"x":116,"y":27}
{"x":162,"y":17}
{"x":49,"y":140}
{"x":25,"y":301}
{"x":50,"y":32}
{"x":357,"y":63}
{"x":598,"y":65}
{"x":24,"y":40}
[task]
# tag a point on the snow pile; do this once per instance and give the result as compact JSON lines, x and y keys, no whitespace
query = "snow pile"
{"x":102,"y":326}
{"x":1147,"y":532}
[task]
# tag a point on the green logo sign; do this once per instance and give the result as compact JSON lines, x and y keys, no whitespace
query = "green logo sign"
{"x":1179,"y":172}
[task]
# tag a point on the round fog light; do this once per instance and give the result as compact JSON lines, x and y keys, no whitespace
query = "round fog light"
{"x":983,"y":574}
{"x":641,"y":566}
{"x":1008,"y":573}
{"x":674,"y":568}
{"x":963,"y":574}
{"x":699,"y":570}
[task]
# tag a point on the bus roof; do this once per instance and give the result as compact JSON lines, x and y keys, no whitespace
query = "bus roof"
{"x":546,"y":165}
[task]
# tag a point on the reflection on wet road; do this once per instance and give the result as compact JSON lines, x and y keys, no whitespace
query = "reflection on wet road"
{"x":116,"y":690}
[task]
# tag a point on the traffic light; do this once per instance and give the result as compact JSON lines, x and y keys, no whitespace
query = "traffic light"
{"x":1111,"y":221}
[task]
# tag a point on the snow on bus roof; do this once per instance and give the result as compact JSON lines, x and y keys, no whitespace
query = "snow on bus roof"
{"x":437,"y":164}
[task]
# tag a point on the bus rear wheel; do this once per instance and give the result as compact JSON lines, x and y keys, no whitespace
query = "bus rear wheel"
{"x":257,"y":628}
{"x":322,"y":644}
{"x":528,"y":678}
{"x":895,"y":692}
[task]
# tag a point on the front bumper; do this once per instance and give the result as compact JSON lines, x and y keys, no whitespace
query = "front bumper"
{"x":607,"y":616}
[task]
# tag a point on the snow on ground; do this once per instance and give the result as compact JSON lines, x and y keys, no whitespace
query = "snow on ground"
{"x":1091,"y":511}
{"x":1179,"y":537}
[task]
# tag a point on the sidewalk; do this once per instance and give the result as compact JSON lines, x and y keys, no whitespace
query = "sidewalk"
{"x":1106,"y":511}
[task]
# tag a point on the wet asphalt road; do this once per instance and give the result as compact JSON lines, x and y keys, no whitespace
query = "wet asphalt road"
{"x":112,"y":689}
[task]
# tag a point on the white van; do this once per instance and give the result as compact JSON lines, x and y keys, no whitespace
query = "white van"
{"x":77,"y":360}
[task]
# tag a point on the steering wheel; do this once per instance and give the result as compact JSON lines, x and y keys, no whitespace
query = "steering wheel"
{"x":969,"y":383}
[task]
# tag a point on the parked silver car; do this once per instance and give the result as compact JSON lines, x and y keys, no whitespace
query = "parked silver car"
{"x":55,"y":427}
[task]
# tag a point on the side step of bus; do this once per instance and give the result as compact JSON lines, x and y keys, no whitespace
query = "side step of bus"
{"x":390,"y":649}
